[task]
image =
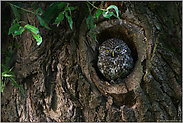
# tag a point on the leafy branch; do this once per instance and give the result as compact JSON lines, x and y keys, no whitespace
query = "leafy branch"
{"x":21,"y":8}
{"x":105,"y":12}
{"x":65,"y":12}
{"x":16,"y":29}
{"x":7,"y":73}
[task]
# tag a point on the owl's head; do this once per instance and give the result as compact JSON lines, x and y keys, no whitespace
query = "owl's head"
{"x":113,"y":48}
{"x":114,"y":60}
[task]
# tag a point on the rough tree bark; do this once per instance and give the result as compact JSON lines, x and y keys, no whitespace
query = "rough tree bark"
{"x":61,"y":79}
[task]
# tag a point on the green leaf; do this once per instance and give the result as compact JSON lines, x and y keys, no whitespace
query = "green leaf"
{"x":69,"y":19}
{"x":42,"y":22}
{"x":18,"y":32}
{"x":50,"y":12}
{"x":95,"y":37}
{"x":32,"y":28}
{"x":2,"y":84}
{"x":115,"y":16}
{"x":59,"y":18}
{"x":7,"y":60}
{"x":107,"y":14}
{"x":8,"y":75}
{"x":38,"y":38}
{"x":22,"y":90}
{"x":10,"y":51}
{"x":9,"y":54}
{"x":4,"y":67}
{"x":114,"y":7}
{"x":14,"y":21}
{"x":35,"y":32}
{"x":39,"y":11}
{"x":15,"y":11}
{"x":61,"y":5}
{"x":14,"y":82}
{"x":17,"y":86}
{"x":13,"y":28}
{"x":98,"y":13}
{"x":89,"y":20}
{"x":17,"y":45}
{"x":70,"y":8}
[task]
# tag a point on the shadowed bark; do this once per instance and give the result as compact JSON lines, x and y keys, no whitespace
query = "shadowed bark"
{"x":62,"y":81}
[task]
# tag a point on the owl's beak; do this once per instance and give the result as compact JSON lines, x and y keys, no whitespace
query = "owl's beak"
{"x":112,"y":53}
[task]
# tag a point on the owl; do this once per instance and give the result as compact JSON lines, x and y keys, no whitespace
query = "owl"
{"x":114,"y":59}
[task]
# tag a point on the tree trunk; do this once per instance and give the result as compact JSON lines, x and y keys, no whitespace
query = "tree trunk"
{"x":63,"y":84}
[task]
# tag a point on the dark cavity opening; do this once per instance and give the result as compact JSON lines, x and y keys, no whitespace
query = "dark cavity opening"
{"x":119,"y":32}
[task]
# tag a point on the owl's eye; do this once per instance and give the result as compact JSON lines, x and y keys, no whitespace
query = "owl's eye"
{"x":108,"y":50}
{"x":118,"y":49}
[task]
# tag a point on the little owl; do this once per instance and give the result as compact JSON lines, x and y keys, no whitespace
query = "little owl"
{"x":115,"y":59}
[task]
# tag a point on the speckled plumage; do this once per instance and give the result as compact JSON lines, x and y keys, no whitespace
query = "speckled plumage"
{"x":117,"y":62}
